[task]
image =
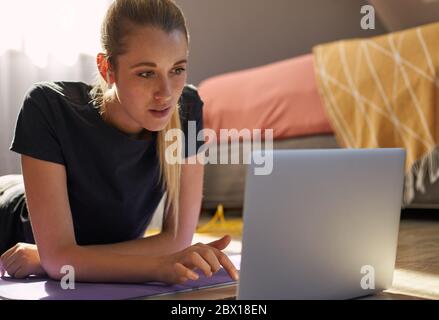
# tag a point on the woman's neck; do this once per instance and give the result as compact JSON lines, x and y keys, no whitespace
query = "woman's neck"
{"x":115,"y":116}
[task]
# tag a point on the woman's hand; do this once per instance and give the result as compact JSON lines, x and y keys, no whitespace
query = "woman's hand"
{"x":178,"y":267}
{"x":21,"y":261}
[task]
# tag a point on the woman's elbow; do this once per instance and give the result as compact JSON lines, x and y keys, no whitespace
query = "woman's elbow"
{"x":57,"y":265}
{"x":52,"y":269}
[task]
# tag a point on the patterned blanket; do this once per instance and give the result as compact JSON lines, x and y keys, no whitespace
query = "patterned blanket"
{"x":382,"y":92}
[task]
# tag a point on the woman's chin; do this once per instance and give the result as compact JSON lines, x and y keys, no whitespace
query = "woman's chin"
{"x":153,"y":124}
{"x":156,"y":127}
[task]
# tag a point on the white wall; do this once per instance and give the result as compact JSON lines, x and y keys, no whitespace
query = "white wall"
{"x":227,"y":35}
{"x":230,"y":35}
{"x":403,"y":14}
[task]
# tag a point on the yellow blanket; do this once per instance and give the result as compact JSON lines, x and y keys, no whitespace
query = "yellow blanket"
{"x":382,"y":92}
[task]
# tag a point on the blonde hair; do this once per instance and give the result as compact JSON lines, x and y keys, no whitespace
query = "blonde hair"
{"x":121,"y":17}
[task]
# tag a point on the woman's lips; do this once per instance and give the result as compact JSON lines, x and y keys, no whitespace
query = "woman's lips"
{"x":160,"y":114}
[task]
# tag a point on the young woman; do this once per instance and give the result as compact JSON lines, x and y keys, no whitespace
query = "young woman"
{"x":94,"y":164}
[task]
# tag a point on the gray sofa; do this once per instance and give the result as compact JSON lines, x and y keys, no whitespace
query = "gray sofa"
{"x":224,"y":183}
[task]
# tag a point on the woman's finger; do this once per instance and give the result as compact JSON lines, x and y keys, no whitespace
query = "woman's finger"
{"x":222,"y":243}
{"x":184,"y":272}
{"x":9,"y":262}
{"x":20,"y":273}
{"x":228,"y":265}
{"x":198,"y":262}
{"x":210,"y":256}
{"x":6,"y":255}
{"x":181,"y":280}
{"x":12,"y":268}
{"x":2,"y":270}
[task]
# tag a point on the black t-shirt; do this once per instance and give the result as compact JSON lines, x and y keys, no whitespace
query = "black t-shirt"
{"x":112,"y":178}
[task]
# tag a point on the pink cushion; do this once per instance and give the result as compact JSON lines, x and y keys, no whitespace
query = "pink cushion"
{"x":282,"y":96}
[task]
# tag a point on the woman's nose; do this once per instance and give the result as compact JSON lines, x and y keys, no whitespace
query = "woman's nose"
{"x":163,"y":92}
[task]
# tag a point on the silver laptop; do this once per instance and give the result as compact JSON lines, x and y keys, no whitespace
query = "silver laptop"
{"x":323,"y":225}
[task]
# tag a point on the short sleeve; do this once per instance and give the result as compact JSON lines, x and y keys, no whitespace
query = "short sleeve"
{"x":35,"y":133}
{"x":191,"y":116}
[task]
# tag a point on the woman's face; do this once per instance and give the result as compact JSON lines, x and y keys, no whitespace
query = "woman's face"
{"x":150,"y":77}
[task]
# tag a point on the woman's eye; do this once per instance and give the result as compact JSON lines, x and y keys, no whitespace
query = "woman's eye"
{"x":179,"y":71}
{"x":147,"y":74}
{"x":150,"y":74}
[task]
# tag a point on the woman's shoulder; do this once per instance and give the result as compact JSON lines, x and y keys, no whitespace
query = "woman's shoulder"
{"x":76,"y":92}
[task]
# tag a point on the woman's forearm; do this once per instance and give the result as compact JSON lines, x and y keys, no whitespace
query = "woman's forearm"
{"x":96,"y":265}
{"x":160,"y":244}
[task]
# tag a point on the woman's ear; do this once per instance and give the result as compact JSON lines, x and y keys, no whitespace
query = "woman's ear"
{"x":101,"y":61}
{"x":105,"y":68}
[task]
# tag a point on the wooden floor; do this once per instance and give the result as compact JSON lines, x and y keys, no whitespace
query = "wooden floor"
{"x":417,"y":262}
{"x":416,"y":273}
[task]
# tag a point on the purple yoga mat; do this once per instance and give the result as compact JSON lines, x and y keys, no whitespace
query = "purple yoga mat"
{"x":46,"y":289}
